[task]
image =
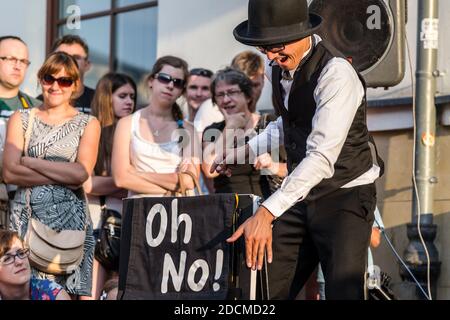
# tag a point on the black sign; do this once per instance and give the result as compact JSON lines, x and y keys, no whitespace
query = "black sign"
{"x":174,"y":248}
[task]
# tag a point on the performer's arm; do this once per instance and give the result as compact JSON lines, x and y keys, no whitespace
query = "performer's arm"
{"x":271,"y":138}
{"x":338,"y":94}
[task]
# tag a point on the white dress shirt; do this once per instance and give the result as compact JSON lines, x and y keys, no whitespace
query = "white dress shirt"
{"x":338,"y":94}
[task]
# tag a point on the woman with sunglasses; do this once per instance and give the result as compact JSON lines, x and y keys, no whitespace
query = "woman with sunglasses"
{"x":61,"y":154}
{"x":16,"y":282}
{"x":154,"y":144}
{"x":115,"y":98}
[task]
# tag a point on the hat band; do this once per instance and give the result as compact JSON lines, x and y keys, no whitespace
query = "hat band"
{"x":258,"y":32}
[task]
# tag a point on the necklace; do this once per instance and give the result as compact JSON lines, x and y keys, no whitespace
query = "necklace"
{"x":157,"y":131}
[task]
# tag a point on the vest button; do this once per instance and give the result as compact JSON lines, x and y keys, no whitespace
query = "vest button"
{"x":293,"y":146}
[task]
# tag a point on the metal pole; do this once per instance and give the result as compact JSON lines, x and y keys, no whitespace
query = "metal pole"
{"x":424,"y":157}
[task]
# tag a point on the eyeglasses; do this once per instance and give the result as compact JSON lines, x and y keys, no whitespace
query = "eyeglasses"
{"x":11,"y":258}
{"x":166,"y":79}
{"x":232,"y":94}
{"x":14,"y":61}
{"x":63,"y":82}
{"x":79,"y":58}
{"x":201,"y":72}
{"x":276,"y":48}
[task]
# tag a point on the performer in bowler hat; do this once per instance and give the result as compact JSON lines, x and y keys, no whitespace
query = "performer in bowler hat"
{"x":323,"y":211}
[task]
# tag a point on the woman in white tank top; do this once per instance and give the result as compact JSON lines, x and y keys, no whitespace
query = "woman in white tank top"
{"x":153,"y":145}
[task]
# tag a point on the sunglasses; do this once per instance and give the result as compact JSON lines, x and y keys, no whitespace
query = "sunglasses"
{"x":201,"y":72}
{"x":63,"y":82}
{"x":166,"y":79}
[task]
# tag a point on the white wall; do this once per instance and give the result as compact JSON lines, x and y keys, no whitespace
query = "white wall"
{"x":201,"y":32}
{"x":27,"y":19}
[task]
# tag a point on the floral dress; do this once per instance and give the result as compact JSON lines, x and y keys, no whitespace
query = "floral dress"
{"x":44,"y":289}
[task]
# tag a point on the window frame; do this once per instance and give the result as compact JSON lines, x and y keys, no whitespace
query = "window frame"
{"x":54,"y":22}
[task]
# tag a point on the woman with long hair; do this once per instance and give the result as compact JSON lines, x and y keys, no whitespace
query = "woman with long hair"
{"x":60,"y":156}
{"x":115,"y":98}
{"x":154,"y":144}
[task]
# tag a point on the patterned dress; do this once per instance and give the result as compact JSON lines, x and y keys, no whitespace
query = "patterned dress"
{"x":44,"y":289}
{"x":57,"y":206}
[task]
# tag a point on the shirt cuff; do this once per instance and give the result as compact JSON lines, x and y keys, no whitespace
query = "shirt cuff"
{"x":278,"y":203}
{"x":253,"y":145}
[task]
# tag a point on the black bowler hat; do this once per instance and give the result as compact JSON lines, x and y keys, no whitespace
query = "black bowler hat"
{"x":275,"y":22}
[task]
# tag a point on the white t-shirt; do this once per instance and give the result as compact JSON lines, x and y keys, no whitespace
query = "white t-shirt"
{"x":207,"y":114}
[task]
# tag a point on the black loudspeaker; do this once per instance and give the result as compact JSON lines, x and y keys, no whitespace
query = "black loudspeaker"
{"x":371,"y":33}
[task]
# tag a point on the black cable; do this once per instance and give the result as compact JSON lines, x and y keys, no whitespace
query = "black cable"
{"x":401,"y":261}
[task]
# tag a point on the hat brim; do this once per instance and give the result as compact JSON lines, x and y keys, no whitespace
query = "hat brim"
{"x":278,"y":35}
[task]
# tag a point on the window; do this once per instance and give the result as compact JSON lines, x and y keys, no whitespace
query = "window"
{"x":121,"y":34}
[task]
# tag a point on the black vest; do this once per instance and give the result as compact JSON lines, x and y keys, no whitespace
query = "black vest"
{"x":355,"y":157}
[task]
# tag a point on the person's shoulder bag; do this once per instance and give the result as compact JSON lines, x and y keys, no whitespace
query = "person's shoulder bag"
{"x":182,"y":190}
{"x":107,"y":247}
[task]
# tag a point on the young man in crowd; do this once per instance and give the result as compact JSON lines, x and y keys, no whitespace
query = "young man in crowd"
{"x":14,"y":62}
{"x":198,"y":90}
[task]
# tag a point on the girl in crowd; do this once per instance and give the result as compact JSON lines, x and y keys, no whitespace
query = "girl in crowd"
{"x":232,"y":92}
{"x":15,"y":273}
{"x":62,"y":150}
{"x":154,"y":144}
{"x":115,"y":98}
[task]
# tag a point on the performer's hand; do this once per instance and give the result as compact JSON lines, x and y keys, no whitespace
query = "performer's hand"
{"x":224,"y":163}
{"x":265,"y":161}
{"x":257,"y":231}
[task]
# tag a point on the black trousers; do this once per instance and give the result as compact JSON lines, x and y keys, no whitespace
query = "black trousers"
{"x":333,"y":230}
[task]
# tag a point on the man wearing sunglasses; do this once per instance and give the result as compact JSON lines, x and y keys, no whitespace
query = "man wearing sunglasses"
{"x":77,"y":48}
{"x":323,"y":211}
{"x":13,"y":67}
